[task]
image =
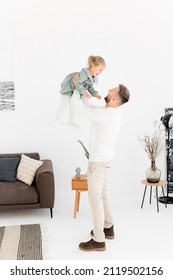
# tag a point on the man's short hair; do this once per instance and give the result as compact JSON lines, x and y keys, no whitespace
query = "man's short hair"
{"x":124,"y":94}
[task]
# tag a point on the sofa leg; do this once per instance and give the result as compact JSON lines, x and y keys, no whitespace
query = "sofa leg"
{"x":51,"y":212}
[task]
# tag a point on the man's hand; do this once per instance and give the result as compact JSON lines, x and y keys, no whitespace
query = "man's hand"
{"x":98,"y":96}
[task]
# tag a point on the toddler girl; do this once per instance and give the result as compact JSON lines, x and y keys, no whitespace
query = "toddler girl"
{"x":83,"y":82}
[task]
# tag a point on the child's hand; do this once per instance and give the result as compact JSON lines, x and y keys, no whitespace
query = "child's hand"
{"x":98,"y":96}
{"x":86,"y":94}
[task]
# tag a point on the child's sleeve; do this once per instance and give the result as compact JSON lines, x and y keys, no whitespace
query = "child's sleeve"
{"x":82,"y":85}
{"x":92,"y":91}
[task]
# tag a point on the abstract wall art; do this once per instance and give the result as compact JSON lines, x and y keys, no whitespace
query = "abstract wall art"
{"x":7,"y":96}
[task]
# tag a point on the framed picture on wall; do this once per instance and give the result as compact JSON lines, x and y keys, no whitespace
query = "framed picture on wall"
{"x":7,"y":96}
{"x":169,"y":110}
{"x":7,"y":90}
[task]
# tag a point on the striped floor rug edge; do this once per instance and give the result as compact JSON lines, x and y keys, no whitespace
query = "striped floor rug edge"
{"x":21,"y":242}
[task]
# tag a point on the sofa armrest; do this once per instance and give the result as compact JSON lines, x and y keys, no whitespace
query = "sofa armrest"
{"x":45,"y":184}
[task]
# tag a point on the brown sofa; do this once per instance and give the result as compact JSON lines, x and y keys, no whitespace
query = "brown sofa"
{"x":40,"y":194}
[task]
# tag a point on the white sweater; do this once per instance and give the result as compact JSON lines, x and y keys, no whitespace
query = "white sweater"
{"x":105,"y":127}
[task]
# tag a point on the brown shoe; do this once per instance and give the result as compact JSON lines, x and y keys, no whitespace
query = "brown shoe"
{"x":109,"y":232}
{"x":92,"y":245}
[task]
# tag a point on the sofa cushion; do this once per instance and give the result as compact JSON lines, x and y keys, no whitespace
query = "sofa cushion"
{"x":8,"y":168}
{"x":27,"y":169}
{"x":17,"y":193}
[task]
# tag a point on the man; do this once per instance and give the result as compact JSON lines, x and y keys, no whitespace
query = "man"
{"x":105,"y":126}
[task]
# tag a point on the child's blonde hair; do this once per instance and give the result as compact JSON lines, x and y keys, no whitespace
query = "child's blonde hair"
{"x":96,"y":60}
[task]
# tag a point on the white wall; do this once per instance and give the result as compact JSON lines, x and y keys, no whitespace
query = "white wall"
{"x":48,"y":39}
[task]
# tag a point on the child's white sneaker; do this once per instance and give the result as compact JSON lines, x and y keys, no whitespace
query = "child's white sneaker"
{"x":73,"y":124}
{"x":59,"y":123}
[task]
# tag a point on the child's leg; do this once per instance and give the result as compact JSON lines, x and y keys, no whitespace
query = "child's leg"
{"x":65,"y":99}
{"x":72,"y":110}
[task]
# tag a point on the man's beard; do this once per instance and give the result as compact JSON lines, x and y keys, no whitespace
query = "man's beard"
{"x":107,"y":99}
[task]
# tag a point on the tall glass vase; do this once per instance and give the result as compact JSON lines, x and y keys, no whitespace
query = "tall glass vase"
{"x":153,"y":173}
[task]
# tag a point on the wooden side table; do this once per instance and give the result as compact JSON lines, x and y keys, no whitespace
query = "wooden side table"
{"x":79,"y":185}
{"x":161,"y":183}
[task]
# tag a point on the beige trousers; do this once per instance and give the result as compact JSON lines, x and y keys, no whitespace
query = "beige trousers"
{"x":98,"y":197}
